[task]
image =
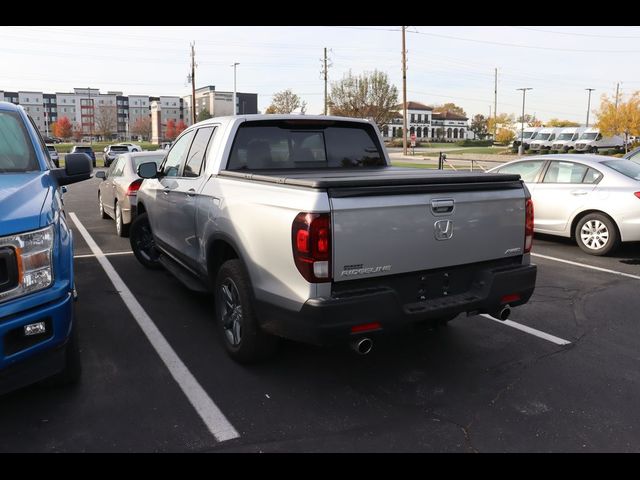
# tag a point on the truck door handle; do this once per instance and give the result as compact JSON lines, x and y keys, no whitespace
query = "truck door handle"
{"x":441,"y":207}
{"x":191,"y":192}
{"x":166,"y":190}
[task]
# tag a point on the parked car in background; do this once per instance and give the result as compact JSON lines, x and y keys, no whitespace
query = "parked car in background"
{"x":566,"y":139}
{"x":51,"y":139}
{"x":85,"y":149}
{"x":133,"y":147}
{"x":38,"y":333}
{"x":53,"y":153}
{"x":592,"y":140}
{"x":118,"y":191}
{"x":112,"y":151}
{"x":633,"y":155}
{"x":592,"y":199}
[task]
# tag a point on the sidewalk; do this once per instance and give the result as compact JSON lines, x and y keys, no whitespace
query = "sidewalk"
{"x":458,"y":161}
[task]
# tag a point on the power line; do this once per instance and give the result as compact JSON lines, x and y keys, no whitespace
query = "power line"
{"x":576,"y":34}
{"x":502,"y":44}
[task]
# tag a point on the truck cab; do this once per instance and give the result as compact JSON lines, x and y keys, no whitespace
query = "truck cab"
{"x":38,"y":337}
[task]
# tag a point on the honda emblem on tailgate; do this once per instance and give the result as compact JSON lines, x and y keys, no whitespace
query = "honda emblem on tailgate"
{"x":443,"y":229}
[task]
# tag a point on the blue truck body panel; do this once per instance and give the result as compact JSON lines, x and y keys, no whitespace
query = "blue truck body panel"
{"x":30,"y":201}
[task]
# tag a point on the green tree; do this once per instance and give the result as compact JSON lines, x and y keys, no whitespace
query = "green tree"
{"x":479,"y":126}
{"x":369,"y":95}
{"x":203,"y":115}
{"x":286,"y":102}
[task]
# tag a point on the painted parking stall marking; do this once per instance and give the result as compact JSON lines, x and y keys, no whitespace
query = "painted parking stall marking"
{"x":108,"y":254}
{"x":577,"y":264}
{"x":208,"y":411}
{"x":529,"y":330}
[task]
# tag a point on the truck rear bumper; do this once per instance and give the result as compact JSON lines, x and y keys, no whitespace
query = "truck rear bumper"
{"x":325,"y":321}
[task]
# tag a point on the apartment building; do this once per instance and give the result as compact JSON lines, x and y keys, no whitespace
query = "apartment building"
{"x":219,"y":104}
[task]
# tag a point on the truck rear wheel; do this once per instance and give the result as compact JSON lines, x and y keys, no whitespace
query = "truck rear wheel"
{"x":142,"y":242}
{"x":242,"y":336}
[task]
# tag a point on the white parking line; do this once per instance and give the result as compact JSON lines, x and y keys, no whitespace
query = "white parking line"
{"x":211,"y":415}
{"x":532,"y":331}
{"x":92,"y":255}
{"x":614,"y":272}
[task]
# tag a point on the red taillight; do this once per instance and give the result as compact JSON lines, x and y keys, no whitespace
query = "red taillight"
{"x":528,"y":226}
{"x":311,"y":240}
{"x":514,"y":297}
{"x":637,"y":194}
{"x":134,"y":187}
{"x":366,"y":327}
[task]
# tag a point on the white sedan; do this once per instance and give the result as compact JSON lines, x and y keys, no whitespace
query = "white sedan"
{"x":593,"y":199}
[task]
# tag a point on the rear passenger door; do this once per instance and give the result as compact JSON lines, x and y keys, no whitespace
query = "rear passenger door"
{"x":565,"y":188}
{"x":184,"y":195}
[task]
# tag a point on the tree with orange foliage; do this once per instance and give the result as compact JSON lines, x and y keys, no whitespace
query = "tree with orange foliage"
{"x":180,"y":127}
{"x":63,"y":128}
{"x":171,"y":130}
{"x":623,"y":119}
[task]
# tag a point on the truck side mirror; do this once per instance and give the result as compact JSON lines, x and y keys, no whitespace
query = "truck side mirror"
{"x":77,"y":167}
{"x":148,"y":170}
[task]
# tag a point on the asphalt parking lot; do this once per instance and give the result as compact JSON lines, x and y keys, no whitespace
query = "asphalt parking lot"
{"x":568,"y":384}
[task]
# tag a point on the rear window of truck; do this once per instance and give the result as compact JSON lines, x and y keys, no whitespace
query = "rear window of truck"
{"x":274,"y":145}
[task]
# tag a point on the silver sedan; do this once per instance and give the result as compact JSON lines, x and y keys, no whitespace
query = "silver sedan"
{"x":117,"y":193}
{"x":593,"y":199}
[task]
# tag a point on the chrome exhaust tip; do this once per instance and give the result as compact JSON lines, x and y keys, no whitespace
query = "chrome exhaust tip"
{"x":362,"y":346}
{"x":504,"y":312}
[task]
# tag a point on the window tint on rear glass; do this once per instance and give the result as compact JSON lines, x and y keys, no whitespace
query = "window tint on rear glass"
{"x":625,"y":167}
{"x":304,"y":144}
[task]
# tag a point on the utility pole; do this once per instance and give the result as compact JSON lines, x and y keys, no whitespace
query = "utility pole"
{"x":589,"y":103}
{"x":325,"y":80}
{"x":617,"y":93}
{"x":495,"y":106}
{"x":235,"y":64}
{"x":90,"y":105}
{"x":521,"y":147}
{"x":193,"y":82}
{"x":404,"y":93}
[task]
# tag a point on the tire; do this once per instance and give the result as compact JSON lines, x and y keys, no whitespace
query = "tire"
{"x":594,"y":150}
{"x":597,"y":234}
{"x":235,"y":317}
{"x":143,"y":243}
{"x":122,"y":229}
{"x":72,"y":371}
{"x":104,"y":215}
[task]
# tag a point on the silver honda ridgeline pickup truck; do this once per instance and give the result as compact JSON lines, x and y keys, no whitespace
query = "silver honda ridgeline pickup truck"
{"x":303,"y":230}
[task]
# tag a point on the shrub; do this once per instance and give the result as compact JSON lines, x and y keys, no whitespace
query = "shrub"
{"x":474,"y":143}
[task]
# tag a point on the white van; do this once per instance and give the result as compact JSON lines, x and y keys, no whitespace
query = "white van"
{"x":566,"y":140}
{"x":529,"y":135}
{"x":544,"y":139}
{"x":592,"y":140}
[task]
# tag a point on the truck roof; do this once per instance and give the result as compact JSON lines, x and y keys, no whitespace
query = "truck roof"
{"x":274,"y":117}
{"x":9,"y":106}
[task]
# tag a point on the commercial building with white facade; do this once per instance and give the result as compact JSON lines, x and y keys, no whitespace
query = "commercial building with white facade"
{"x":219,"y":104}
{"x":427,"y":125}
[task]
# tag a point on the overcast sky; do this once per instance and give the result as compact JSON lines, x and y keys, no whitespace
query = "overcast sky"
{"x":446,"y":64}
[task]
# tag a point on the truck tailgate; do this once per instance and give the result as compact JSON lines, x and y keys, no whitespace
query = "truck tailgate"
{"x":398,"y":229}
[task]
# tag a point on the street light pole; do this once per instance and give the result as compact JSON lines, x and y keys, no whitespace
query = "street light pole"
{"x":589,"y":103}
{"x":521,"y":147}
{"x":234,"y":86}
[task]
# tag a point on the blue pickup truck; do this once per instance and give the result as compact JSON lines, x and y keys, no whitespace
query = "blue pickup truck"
{"x":38,"y":338}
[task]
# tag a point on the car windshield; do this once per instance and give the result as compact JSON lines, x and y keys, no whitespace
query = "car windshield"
{"x":119,"y":148}
{"x":137,"y":161}
{"x":528,"y":134}
{"x":625,"y":167}
{"x":305,"y":144}
{"x":51,"y":148}
{"x":589,"y":136}
{"x":16,"y":150}
{"x":543,"y":136}
{"x":83,"y":149}
{"x":565,"y":136}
